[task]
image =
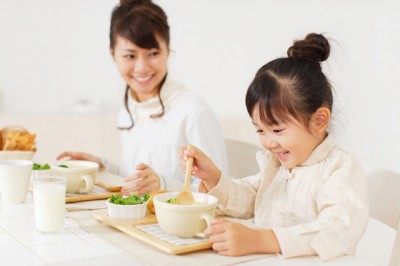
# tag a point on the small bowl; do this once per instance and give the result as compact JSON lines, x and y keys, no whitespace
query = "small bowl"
{"x":127,"y":212}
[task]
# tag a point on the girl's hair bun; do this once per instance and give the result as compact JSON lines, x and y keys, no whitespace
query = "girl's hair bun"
{"x":315,"y":47}
{"x":134,"y":2}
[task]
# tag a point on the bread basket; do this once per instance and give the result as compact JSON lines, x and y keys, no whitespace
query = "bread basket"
{"x":16,"y":155}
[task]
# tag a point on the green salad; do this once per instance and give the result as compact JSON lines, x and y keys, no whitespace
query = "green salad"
{"x":46,"y":166}
{"x":37,"y":166}
{"x":130,"y":200}
{"x":172,"y":201}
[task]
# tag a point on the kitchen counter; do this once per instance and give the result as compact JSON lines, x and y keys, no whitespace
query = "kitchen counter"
{"x":86,"y":241}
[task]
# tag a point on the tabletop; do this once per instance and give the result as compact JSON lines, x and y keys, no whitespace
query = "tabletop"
{"x":86,"y":241}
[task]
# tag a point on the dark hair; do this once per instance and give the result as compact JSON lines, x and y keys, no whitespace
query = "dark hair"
{"x":293,"y":86}
{"x":140,"y":22}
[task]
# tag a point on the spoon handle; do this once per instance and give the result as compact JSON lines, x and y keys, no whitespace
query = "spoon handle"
{"x":189,"y":164}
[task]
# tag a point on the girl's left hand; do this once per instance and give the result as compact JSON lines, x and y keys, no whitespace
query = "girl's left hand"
{"x":230,"y":238}
{"x":235,"y":239}
{"x":145,"y":181}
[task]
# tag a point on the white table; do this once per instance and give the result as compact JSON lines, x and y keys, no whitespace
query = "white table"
{"x":86,"y":241}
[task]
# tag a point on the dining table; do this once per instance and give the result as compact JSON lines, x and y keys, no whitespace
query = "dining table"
{"x":85,"y":240}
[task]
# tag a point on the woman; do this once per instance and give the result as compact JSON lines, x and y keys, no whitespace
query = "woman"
{"x":159,"y":114}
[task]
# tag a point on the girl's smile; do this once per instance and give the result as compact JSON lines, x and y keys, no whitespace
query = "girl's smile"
{"x":282,"y":156}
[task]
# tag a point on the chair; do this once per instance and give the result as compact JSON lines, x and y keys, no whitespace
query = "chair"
{"x":241,"y":158}
{"x":384,"y":199}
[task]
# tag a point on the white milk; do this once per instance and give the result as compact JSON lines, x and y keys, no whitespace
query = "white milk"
{"x":49,"y":204}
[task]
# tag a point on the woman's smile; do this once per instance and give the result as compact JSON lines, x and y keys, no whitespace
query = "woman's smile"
{"x":143,"y":78}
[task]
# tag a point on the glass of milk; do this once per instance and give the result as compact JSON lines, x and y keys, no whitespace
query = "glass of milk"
{"x":49,"y":203}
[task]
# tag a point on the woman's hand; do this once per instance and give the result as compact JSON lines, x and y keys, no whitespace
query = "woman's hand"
{"x":142,"y":182}
{"x":235,"y":239}
{"x":81,"y":156}
{"x":203,"y":167}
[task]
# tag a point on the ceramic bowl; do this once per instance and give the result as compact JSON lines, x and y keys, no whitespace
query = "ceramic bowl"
{"x":185,"y":220}
{"x":126,"y":212}
{"x":80,"y":175}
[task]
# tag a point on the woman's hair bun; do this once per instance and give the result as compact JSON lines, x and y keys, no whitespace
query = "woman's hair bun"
{"x":134,"y":2}
{"x":315,"y":47}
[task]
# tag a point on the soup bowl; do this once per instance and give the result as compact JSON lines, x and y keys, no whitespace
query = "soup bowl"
{"x":80,"y":175}
{"x":185,"y":221}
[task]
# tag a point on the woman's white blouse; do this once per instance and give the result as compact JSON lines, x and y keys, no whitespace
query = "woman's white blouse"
{"x":156,"y":141}
{"x":320,"y":207}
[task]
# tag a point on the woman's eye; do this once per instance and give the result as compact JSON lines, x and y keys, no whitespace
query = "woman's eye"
{"x":259,"y":131}
{"x":277,"y":130}
{"x":129,"y":56}
{"x":154,"y":53}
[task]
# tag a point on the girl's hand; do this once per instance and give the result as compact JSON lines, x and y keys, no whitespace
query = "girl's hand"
{"x":142,"y":182}
{"x":235,"y":239}
{"x":203,"y":168}
{"x":81,"y":156}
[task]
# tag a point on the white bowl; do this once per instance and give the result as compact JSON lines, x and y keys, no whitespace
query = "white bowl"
{"x":184,"y":220}
{"x":126,"y":212}
{"x":80,"y":175}
{"x":76,"y":166}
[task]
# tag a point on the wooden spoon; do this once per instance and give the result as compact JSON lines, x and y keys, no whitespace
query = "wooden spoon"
{"x":185,"y":197}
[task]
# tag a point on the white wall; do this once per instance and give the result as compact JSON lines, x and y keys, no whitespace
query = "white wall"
{"x":57,"y":53}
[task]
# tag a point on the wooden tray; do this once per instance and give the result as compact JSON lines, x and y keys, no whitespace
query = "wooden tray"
{"x":86,"y":197}
{"x":129,"y":227}
{"x":105,"y":186}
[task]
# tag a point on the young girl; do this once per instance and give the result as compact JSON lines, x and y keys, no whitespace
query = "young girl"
{"x":159,"y":113}
{"x":310,"y":197}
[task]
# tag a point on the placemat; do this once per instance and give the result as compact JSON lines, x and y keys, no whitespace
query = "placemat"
{"x":156,"y":231}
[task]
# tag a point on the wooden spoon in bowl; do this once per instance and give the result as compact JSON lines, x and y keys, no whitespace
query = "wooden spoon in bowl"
{"x":185,"y":197}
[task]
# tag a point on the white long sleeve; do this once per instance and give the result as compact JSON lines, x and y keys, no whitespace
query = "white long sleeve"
{"x":156,"y":141}
{"x":320,"y":207}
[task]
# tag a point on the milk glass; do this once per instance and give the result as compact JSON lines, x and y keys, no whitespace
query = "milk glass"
{"x":49,"y":203}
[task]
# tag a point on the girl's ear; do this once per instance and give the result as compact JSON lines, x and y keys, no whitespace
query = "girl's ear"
{"x":321,"y":119}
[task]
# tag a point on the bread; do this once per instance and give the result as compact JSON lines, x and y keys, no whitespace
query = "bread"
{"x":6,"y":130}
{"x":16,"y":138}
{"x":150,"y":204}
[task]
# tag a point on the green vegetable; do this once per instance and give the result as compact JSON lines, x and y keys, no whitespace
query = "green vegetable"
{"x":131,"y":200}
{"x":37,"y":166}
{"x":63,"y":165}
{"x":172,"y":201}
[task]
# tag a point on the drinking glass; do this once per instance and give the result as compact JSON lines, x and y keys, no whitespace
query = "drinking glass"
{"x":49,"y":203}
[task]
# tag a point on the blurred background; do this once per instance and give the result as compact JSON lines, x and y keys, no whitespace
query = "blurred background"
{"x":58,"y":79}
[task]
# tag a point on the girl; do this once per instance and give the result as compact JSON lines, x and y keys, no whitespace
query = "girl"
{"x":310,"y":197}
{"x":160,"y":114}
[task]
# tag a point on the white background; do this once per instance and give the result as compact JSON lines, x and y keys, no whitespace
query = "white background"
{"x":54,"y":59}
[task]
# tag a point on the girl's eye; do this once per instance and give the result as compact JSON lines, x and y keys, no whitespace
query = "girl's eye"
{"x":154,"y":53}
{"x":259,"y":131}
{"x":277,"y":130}
{"x":129,"y":56}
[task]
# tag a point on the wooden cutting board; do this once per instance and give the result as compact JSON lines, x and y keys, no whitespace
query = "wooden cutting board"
{"x":109,"y":181}
{"x":129,"y":227}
